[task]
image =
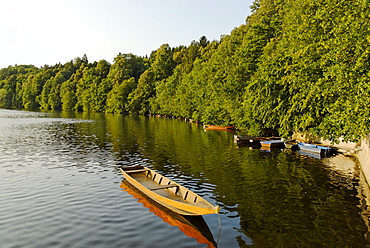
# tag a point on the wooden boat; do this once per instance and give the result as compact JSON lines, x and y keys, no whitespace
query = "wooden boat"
{"x":322,"y":150}
{"x":291,"y":144}
{"x":272,"y":143}
{"x":219,"y":127}
{"x":166,"y":192}
{"x":192,"y":226}
{"x":244,"y":138}
{"x":252,"y":140}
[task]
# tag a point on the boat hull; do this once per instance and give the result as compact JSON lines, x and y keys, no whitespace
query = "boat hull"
{"x":265,"y":142}
{"x":192,"y":226}
{"x":322,"y":150}
{"x":219,"y":127}
{"x":272,"y":143}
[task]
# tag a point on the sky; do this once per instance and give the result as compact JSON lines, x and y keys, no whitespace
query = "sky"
{"x":47,"y":32}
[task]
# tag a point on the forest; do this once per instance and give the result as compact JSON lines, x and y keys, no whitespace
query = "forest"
{"x":294,"y":66}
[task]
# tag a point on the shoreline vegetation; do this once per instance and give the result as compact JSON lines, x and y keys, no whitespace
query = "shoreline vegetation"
{"x":292,"y":67}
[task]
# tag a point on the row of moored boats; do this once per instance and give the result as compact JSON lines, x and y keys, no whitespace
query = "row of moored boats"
{"x":272,"y":142}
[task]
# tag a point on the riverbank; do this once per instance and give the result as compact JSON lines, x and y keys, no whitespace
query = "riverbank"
{"x":360,"y":150}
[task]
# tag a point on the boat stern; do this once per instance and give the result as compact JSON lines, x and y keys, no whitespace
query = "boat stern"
{"x":217,"y":209}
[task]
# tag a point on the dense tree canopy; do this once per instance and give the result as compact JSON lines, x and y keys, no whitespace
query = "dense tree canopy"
{"x":293,"y":66}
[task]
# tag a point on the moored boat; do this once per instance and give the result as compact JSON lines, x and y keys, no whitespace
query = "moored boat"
{"x":167,"y":192}
{"x":252,"y":140}
{"x":272,"y":143}
{"x":322,"y":150}
{"x":247,"y":140}
{"x":219,"y":127}
{"x":242,"y":138}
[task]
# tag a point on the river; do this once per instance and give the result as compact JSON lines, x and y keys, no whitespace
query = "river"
{"x":61,"y":186}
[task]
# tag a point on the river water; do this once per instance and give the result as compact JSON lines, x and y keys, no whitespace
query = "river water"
{"x":61,"y":186}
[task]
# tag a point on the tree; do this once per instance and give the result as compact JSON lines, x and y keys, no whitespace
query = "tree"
{"x":3,"y":98}
{"x":117,"y":99}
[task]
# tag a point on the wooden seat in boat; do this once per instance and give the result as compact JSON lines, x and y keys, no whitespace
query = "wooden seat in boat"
{"x":164,"y":186}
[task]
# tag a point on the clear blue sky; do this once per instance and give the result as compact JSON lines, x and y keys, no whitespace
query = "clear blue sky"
{"x":43,"y":32}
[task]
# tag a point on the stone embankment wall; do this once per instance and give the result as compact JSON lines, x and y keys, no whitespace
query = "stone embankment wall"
{"x":364,"y":158}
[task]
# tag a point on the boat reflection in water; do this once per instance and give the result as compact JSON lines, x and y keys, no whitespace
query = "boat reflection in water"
{"x":192,"y":226}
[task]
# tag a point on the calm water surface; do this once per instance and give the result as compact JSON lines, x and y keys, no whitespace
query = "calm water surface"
{"x":61,"y":187}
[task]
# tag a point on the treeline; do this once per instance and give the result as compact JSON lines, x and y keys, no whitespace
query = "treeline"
{"x":293,"y":66}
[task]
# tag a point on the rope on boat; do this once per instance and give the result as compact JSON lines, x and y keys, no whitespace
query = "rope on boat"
{"x":219,"y":232}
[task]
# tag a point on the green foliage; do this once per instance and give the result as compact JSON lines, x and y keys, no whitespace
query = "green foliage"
{"x":117,"y":101}
{"x":3,"y":98}
{"x":293,"y":66}
{"x":139,"y":98}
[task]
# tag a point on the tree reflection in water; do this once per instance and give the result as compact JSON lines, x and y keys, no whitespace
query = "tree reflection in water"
{"x":282,"y":198}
